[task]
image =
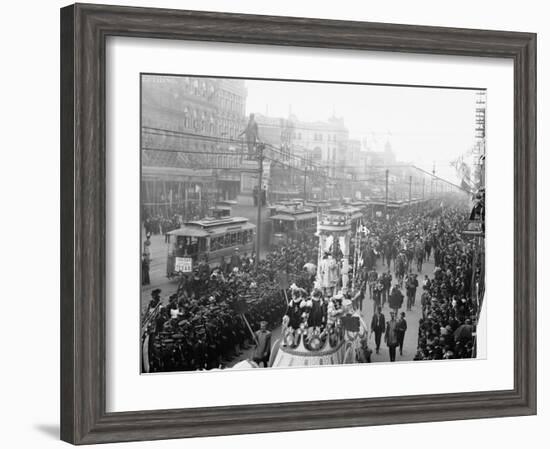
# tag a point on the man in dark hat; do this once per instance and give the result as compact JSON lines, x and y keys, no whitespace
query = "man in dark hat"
{"x":377,"y":295}
{"x":155,"y":301}
{"x":378,"y":326}
{"x":236,"y":260}
{"x":391,"y":335}
{"x":386,"y":283}
{"x":411,"y":286}
{"x":464,"y":333}
{"x":145,"y":264}
{"x":396,"y":299}
{"x":401,"y":329}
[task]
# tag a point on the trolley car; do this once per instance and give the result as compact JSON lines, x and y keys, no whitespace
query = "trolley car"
{"x":317,"y":205}
{"x":207,"y":239}
{"x":353,"y":214}
{"x":291,"y":222}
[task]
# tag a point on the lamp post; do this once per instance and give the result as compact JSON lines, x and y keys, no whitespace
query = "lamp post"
{"x":260,"y":151}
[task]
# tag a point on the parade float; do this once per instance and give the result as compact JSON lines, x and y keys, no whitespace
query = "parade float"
{"x":323,"y":328}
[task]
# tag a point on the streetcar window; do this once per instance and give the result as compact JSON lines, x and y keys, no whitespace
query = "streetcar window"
{"x":202,"y":244}
{"x":214,"y":244}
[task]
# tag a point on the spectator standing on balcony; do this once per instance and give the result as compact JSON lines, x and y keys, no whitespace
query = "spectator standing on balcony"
{"x":251,"y":135}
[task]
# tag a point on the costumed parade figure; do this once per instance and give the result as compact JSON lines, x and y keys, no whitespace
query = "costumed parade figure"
{"x":295,"y":315}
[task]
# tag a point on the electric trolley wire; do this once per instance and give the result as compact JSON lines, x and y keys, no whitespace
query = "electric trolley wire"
{"x":185,"y":134}
{"x":305,"y":161}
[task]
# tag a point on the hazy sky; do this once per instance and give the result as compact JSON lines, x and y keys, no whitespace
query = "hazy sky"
{"x":423,"y":124}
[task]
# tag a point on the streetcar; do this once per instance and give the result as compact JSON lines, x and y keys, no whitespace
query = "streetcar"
{"x":207,"y":239}
{"x":352,"y":214}
{"x":317,"y":205}
{"x":379,"y":207}
{"x":221,"y":209}
{"x":291,"y":223}
{"x":296,"y":202}
{"x":358,"y":204}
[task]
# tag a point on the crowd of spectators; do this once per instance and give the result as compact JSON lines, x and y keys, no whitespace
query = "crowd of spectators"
{"x":449,"y":312}
{"x":171,"y":218}
{"x":204,"y":325}
{"x":447,"y":328}
{"x":211,"y":318}
{"x":160,"y":224}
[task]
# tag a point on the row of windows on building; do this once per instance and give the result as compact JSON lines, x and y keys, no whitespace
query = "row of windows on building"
{"x":208,"y":89}
{"x":231,"y":103}
{"x":317,"y":137}
{"x":207,"y":123}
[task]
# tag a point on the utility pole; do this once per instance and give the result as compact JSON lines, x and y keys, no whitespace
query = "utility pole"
{"x":305,"y":181}
{"x":386,"y":207}
{"x":260,"y":150}
{"x":423,"y":187}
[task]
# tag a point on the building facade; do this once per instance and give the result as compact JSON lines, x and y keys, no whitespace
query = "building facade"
{"x":189,"y":127}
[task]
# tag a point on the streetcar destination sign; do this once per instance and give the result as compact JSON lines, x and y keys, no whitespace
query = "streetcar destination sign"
{"x":184,"y":264}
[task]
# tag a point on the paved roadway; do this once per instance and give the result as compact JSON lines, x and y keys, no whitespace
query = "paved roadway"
{"x":159,"y":280}
{"x":412,"y":317}
{"x":157,"y":272}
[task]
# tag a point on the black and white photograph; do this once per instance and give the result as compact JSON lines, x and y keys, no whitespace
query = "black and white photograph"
{"x":301,"y":223}
{"x":266,"y":224}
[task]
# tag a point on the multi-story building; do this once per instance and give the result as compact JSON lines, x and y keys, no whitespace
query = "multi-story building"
{"x":322,"y":142}
{"x":276,"y":133}
{"x":321,"y":146}
{"x":478,"y":154}
{"x":189,"y":125}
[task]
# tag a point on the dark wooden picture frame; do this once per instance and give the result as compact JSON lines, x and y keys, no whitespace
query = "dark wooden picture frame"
{"x":84,"y":29}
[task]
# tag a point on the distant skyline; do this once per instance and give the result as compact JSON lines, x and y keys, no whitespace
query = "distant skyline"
{"x":423,"y":124}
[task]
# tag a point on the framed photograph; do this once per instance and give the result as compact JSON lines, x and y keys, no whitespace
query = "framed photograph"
{"x":278,"y":223}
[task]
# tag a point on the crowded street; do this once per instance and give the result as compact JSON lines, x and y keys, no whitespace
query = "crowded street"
{"x":223,"y":291}
{"x":273,"y":242}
